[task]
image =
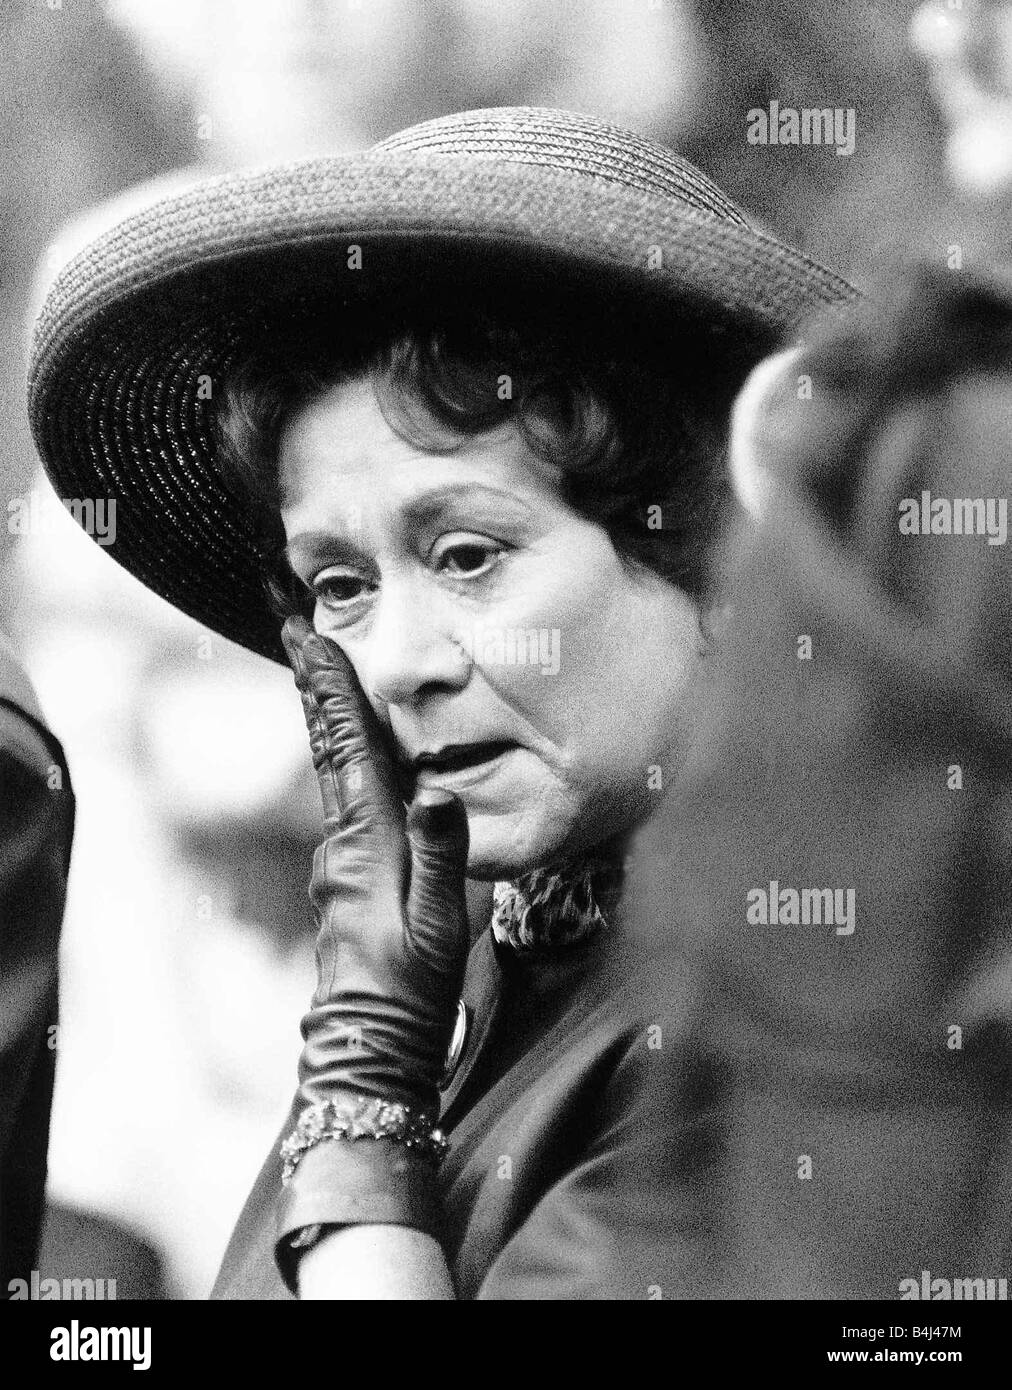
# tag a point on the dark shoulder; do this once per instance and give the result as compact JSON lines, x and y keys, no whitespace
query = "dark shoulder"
{"x":563,"y":1136}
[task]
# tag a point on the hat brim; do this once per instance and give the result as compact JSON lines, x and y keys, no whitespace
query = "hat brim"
{"x":136,"y":326}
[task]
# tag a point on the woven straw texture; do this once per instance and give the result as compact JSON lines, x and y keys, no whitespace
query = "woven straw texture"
{"x":536,"y":201}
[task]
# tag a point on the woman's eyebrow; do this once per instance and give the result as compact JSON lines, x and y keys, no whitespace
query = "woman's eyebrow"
{"x":313,"y":548}
{"x":424,"y":510}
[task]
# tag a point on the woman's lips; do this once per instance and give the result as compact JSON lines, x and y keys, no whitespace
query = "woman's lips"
{"x":459,"y":764}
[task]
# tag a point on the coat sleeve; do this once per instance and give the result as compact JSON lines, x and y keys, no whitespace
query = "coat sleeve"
{"x":36,"y":828}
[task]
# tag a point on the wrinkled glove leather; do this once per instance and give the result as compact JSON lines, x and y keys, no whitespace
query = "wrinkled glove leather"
{"x":387,"y":890}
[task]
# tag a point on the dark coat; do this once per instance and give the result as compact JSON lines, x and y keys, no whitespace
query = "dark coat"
{"x":36,"y":830}
{"x":543,"y":1117}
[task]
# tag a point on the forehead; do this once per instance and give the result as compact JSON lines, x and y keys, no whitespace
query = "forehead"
{"x":338,"y":452}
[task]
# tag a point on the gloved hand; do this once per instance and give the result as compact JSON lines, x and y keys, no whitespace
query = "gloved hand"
{"x":388,"y":893}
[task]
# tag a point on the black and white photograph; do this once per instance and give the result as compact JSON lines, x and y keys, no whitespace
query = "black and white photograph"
{"x":506,"y":670}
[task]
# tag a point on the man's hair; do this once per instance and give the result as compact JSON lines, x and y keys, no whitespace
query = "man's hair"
{"x":908,"y":345}
{"x":640,"y":443}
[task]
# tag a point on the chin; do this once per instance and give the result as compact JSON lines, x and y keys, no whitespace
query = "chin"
{"x":507,"y":844}
{"x":504,"y":846}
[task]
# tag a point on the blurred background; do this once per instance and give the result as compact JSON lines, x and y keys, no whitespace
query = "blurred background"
{"x":187,"y":947}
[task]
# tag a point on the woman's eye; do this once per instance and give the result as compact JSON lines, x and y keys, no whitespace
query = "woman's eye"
{"x":340,"y":590}
{"x":335,"y":590}
{"x":468,"y":557}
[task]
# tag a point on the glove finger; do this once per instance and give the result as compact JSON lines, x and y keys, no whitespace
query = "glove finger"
{"x":294,"y":635}
{"x":437,"y":906}
{"x":354,"y":741}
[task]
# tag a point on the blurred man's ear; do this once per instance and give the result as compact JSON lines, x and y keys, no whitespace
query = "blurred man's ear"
{"x":754,"y":427}
{"x":761,"y":420}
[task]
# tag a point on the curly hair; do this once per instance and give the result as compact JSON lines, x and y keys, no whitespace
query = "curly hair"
{"x":642,"y":453}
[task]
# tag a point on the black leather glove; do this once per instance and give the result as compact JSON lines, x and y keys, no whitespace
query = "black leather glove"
{"x":388,"y":893}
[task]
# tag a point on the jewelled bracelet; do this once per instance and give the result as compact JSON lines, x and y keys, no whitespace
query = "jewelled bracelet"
{"x":363,"y":1117}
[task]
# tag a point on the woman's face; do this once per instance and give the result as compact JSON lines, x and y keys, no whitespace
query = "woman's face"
{"x":491,"y":627}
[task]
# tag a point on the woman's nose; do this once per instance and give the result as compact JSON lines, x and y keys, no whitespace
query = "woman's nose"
{"x":409,"y":647}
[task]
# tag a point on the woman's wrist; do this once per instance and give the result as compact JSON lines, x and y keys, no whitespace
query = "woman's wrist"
{"x":374,"y":1262}
{"x":349,"y":1118}
{"x":364,"y":1181}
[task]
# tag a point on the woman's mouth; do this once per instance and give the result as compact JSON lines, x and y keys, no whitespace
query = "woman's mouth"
{"x":458,"y":763}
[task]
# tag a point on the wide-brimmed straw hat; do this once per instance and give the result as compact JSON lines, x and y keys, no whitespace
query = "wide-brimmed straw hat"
{"x":140,"y":328}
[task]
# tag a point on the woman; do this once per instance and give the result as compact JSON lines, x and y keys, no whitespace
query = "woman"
{"x":460,"y":401}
